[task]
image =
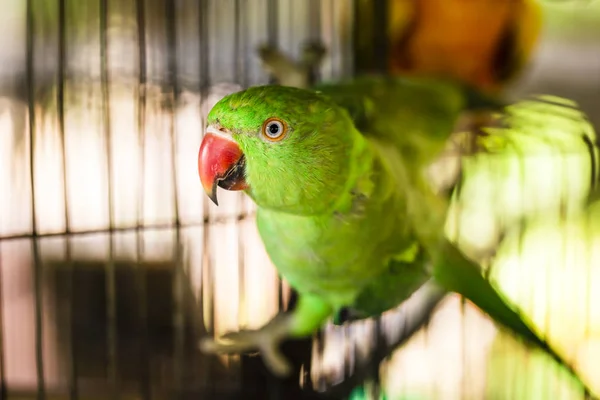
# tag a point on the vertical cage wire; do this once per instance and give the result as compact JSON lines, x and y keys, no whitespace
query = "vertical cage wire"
{"x":60,"y":103}
{"x":111,"y":318}
{"x":41,"y":387}
{"x":140,"y":17}
{"x":240,"y":78}
{"x":178,"y":281}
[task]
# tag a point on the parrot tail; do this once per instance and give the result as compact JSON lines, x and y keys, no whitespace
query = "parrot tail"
{"x":456,"y":273}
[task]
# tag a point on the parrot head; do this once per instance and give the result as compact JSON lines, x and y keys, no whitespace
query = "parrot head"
{"x":288,"y":148}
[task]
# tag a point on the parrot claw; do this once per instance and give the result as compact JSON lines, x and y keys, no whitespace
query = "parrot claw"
{"x":265,"y":340}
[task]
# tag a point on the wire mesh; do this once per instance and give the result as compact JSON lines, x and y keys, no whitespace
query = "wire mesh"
{"x":112,"y":262}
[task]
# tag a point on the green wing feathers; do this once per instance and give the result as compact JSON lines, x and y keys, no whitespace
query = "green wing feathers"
{"x":415,"y":115}
{"x":538,"y":160}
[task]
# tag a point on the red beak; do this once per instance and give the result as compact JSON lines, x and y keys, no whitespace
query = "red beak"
{"x":220,"y":163}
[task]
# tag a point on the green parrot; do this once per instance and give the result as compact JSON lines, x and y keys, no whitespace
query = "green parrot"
{"x":345,"y":209}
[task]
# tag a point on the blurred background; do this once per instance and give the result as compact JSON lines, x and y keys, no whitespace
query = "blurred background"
{"x":112,"y":260}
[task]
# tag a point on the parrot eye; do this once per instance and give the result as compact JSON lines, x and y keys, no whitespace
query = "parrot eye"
{"x":274,"y":129}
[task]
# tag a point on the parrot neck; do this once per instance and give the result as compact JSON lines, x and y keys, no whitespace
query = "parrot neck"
{"x":358,"y":187}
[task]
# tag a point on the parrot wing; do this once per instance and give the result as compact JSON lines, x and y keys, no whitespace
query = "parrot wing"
{"x":536,"y":157}
{"x":540,"y":160}
{"x":416,"y":115}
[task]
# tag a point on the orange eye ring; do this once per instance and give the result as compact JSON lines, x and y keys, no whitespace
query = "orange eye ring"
{"x":274,"y":129}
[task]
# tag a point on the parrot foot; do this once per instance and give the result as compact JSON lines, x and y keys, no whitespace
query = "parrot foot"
{"x":313,"y":54}
{"x":290,"y":72}
{"x":265,"y":339}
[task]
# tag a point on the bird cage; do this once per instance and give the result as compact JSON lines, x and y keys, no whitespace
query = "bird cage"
{"x":113,"y":263}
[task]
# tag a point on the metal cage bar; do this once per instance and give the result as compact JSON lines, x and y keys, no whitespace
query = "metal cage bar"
{"x":145,"y":387}
{"x":111,"y":316}
{"x":35,"y":250}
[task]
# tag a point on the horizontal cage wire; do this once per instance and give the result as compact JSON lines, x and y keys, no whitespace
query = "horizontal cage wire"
{"x":113,"y":262}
